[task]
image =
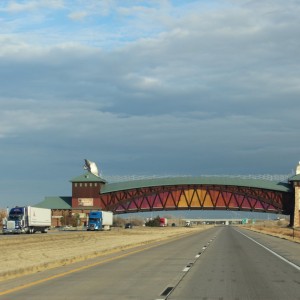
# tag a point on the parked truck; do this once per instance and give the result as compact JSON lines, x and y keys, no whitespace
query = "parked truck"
{"x":27,"y":219}
{"x":163,"y":222}
{"x":188,"y":223}
{"x":100,"y":220}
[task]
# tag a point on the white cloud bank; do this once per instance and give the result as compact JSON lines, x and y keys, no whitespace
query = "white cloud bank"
{"x":189,"y":89}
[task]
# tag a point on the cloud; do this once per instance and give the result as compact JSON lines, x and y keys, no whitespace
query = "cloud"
{"x":17,"y":6}
{"x":207,"y":89}
{"x":78,"y":16}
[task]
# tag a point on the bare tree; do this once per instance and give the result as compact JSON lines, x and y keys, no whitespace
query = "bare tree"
{"x":2,"y":216}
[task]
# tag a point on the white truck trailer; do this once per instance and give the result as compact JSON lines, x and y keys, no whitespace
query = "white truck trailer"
{"x":27,"y":219}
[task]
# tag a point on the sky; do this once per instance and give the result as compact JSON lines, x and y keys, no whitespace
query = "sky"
{"x":160,"y":87}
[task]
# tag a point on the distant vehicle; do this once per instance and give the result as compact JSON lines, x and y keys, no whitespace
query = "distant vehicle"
{"x":27,"y":219}
{"x":100,"y":220}
{"x":128,"y":226}
{"x":67,"y":227}
{"x":188,"y":223}
{"x":173,"y":224}
{"x":163,"y":222}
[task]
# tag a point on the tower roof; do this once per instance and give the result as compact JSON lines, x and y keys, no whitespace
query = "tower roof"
{"x":88,"y":177}
{"x":295,"y":178}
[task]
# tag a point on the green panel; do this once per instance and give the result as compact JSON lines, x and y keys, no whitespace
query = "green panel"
{"x":56,"y":203}
{"x":210,"y":180}
{"x":88,"y":177}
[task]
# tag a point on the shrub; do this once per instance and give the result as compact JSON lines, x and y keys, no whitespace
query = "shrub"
{"x":2,"y":215}
{"x":154,"y":222}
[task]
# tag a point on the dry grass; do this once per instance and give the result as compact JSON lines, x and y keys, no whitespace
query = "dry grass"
{"x":24,"y":254}
{"x":278,"y":229}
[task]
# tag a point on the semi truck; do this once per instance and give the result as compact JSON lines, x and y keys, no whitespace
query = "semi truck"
{"x":27,"y":219}
{"x":163,"y":222}
{"x":188,"y":223}
{"x":100,"y":220}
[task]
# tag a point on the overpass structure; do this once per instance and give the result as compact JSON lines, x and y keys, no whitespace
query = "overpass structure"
{"x":90,"y":192}
{"x":219,"y":221}
{"x":216,"y":193}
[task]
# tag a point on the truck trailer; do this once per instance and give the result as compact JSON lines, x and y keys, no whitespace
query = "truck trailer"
{"x":100,"y":220}
{"x":27,"y":219}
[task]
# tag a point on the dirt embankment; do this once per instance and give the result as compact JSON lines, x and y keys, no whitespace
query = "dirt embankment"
{"x":24,"y":254}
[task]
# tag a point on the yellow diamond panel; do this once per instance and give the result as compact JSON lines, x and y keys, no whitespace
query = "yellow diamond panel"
{"x":183,"y":199}
{"x":207,"y":201}
{"x":201,"y":193}
{"x":194,"y":200}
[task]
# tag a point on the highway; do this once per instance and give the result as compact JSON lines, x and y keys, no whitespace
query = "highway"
{"x":220,"y":263}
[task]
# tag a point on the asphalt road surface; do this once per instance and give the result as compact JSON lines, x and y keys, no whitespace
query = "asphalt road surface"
{"x":220,"y":263}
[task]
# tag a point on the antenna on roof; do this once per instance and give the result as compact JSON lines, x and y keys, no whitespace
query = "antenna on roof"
{"x":91,"y":167}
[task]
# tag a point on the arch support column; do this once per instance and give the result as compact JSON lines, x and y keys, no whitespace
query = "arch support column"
{"x":296,"y":184}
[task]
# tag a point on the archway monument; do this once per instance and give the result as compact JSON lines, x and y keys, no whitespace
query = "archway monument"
{"x":90,"y":191}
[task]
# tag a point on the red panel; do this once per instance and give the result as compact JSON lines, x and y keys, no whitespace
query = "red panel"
{"x":155,"y":201}
{"x":246,"y":204}
{"x":226,"y":197}
{"x":214,"y":196}
{"x":233,"y":202}
{"x":169,"y":203}
{"x":164,"y":198}
{"x":258,"y":205}
{"x":120,"y":208}
{"x":132,"y":206}
{"x":271,"y":208}
{"x":239,"y":200}
{"x":252,"y":202}
{"x":145,"y":204}
{"x":220,"y":201}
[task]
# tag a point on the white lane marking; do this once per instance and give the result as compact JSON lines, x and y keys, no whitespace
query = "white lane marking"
{"x":274,"y":253}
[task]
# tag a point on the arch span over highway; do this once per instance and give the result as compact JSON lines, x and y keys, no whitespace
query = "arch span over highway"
{"x":90,"y":192}
{"x":214,"y":193}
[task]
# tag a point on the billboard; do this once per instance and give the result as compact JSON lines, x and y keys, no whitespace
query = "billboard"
{"x":85,"y":202}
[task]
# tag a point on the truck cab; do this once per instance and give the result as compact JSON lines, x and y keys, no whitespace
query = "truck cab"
{"x":188,"y":223}
{"x":15,"y":222}
{"x":95,"y":221}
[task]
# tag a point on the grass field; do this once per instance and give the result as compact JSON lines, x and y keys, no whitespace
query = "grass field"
{"x":276,"y":228}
